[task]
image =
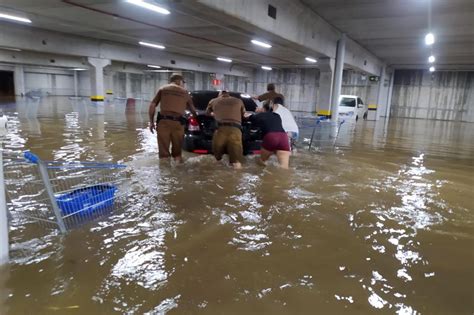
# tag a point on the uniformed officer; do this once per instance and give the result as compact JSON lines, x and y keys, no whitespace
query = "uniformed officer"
{"x":174,"y":99}
{"x":270,"y":95}
{"x":228,"y":112}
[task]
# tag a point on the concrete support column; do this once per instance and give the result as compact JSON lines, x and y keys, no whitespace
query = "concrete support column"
{"x":109,"y":86}
{"x":76,"y":92}
{"x":389,"y":98}
{"x":97,"y":81}
{"x":341,"y":52}
{"x":19,"y":80}
{"x":382,"y":93}
{"x":128,"y":85}
{"x":323,"y":106}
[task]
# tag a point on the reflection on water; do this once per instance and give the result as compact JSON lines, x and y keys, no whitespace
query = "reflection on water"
{"x":380,"y":222}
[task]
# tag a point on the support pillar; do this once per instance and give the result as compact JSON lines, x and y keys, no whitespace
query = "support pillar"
{"x":97,"y":82}
{"x":323,"y":106}
{"x":128,"y":85}
{"x":382,"y":93}
{"x":75,"y":84}
{"x":389,"y":98}
{"x":109,"y":86}
{"x":19,"y":80}
{"x":341,"y":52}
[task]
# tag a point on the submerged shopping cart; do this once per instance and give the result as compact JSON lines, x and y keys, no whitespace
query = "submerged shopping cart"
{"x":61,"y":194}
{"x":319,"y":131}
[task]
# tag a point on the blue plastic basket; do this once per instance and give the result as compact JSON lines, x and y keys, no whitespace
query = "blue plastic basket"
{"x":88,"y":200}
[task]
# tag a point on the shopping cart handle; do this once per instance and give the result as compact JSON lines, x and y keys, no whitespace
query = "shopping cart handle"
{"x":31,"y":157}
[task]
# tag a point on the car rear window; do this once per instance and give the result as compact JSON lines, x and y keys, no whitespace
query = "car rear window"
{"x":202,"y":98}
{"x":348,"y":102}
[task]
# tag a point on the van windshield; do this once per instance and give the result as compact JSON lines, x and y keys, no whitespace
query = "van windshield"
{"x":347,"y":102}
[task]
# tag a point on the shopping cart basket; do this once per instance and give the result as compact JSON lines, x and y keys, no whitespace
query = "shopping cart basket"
{"x":62,"y":194}
{"x":320,"y":131}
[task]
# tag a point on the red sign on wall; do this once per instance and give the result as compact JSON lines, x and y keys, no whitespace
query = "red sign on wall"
{"x":216,"y":82}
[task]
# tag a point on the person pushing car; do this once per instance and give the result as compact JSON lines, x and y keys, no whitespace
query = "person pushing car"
{"x":174,"y":99}
{"x":270,"y":95}
{"x":228,"y":112}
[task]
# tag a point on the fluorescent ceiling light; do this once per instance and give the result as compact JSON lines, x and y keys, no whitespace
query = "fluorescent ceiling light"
{"x":266,"y":68}
{"x":153,"y":66}
{"x":261,"y":44}
{"x":311,"y":59}
{"x":10,"y":48}
{"x":224,"y":59}
{"x":14,"y":18}
{"x":79,"y":69}
{"x":152,"y":45}
{"x":429,"y":39}
{"x":431,"y":59}
{"x":432,"y":69}
{"x":161,"y":70}
{"x":149,"y":6}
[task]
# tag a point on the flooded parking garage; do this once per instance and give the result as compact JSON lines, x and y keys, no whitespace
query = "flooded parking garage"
{"x":380,"y":222}
{"x":373,"y":216}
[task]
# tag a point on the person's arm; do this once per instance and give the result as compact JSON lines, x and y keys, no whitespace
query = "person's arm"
{"x":209,"y":108}
{"x":263,"y":97}
{"x":151,"y":110}
{"x":191,"y":107}
{"x":253,"y":117}
{"x":242,"y":109}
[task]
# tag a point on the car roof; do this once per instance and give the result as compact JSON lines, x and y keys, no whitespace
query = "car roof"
{"x":349,"y":96}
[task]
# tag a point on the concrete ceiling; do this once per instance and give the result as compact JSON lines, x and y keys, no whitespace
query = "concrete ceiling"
{"x":180,"y":31}
{"x":391,"y":29}
{"x":394,"y":30}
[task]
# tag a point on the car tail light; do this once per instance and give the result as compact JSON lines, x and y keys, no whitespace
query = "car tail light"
{"x":193,"y":124}
{"x":200,"y":151}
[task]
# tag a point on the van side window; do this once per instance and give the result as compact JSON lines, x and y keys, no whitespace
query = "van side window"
{"x":359,"y":101}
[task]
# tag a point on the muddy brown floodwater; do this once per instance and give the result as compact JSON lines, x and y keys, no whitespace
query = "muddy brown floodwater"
{"x":380,"y":223}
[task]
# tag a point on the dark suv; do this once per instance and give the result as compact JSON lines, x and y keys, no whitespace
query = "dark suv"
{"x":199,"y":130}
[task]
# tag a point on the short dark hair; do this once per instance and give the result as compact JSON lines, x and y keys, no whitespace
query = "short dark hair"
{"x":271,"y":87}
{"x":278,"y":100}
{"x":266,"y":106}
{"x":176,"y":77}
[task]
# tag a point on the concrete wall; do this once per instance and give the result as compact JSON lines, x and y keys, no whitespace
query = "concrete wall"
{"x":443,"y":95}
{"x":357,"y":83}
{"x":49,"y":81}
{"x":299,"y":86}
{"x":60,"y":82}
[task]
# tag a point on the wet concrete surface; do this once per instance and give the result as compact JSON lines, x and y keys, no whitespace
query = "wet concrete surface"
{"x":378,"y":222}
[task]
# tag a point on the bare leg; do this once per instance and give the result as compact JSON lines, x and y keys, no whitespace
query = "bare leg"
{"x":283,"y":158}
{"x":264,"y":156}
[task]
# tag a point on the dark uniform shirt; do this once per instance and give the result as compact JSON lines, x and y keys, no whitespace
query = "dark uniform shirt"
{"x":268,"y":122}
{"x":269,"y":96}
{"x":227,"y":109}
{"x":174,"y":100}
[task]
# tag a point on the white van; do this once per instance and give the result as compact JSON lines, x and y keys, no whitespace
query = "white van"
{"x":352,"y":107}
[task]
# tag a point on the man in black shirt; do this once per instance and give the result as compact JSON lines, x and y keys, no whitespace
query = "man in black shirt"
{"x":275,"y":140}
